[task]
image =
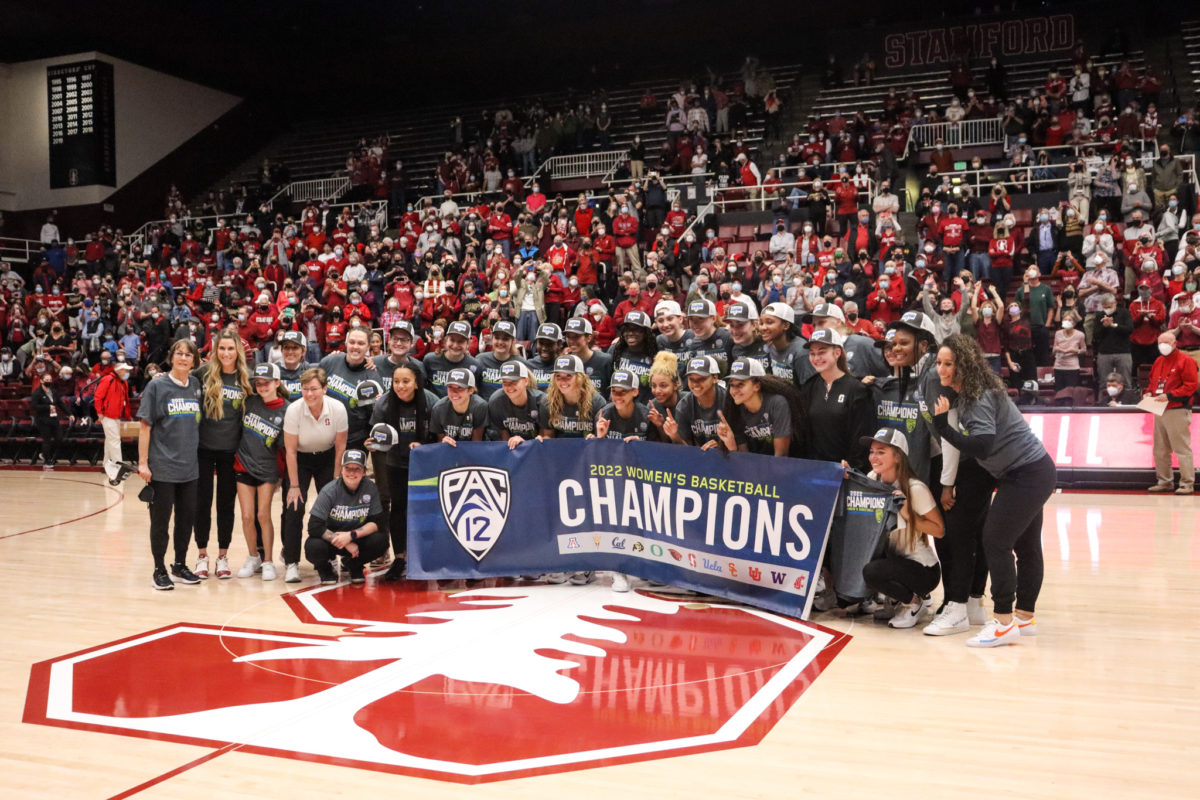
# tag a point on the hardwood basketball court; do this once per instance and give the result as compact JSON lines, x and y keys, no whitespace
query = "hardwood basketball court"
{"x":1103,"y":703}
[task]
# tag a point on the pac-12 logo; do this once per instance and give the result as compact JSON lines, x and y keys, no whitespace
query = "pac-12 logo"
{"x":475,"y":503}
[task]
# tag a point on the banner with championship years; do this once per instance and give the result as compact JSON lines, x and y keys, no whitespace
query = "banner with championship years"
{"x":741,"y":526}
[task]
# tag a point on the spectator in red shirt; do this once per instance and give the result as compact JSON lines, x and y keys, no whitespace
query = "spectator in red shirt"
{"x":952,"y":236}
{"x":1149,"y":316}
{"x":633,"y":300}
{"x":1173,"y":383}
{"x":845,"y":194}
{"x":625,"y":230}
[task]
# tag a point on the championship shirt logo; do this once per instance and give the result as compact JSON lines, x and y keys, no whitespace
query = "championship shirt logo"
{"x":475,"y":502}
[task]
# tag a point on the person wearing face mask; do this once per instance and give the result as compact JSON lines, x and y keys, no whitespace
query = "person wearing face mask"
{"x":1068,"y":345}
{"x":1097,"y":287}
{"x":1045,"y":241}
{"x":1184,"y":325}
{"x":1134,"y":202}
{"x":1019,"y":354}
{"x":1149,"y":316}
{"x":1110,"y":340}
{"x":1170,"y":225}
{"x":625,"y":232}
{"x":1039,"y":299}
{"x":1115,"y":392}
{"x":1172,"y":384}
{"x":111,"y":400}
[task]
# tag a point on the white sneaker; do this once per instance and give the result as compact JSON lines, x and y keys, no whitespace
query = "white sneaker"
{"x":1028,"y":626}
{"x":953,"y":619}
{"x":995,"y":634}
{"x":906,"y":616}
{"x":292,"y":574}
{"x":201,"y":569}
{"x":620,"y":583}
{"x":976,"y":614}
{"x":581,"y":578}
{"x":251,"y":565}
{"x":268,"y":571}
{"x":223,"y":571}
{"x":556,"y":577}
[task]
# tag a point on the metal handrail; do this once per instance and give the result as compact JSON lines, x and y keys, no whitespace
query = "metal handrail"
{"x":318,"y":189}
{"x":12,"y":248}
{"x":967,"y":132}
{"x":580,"y":165}
{"x":867,"y":192}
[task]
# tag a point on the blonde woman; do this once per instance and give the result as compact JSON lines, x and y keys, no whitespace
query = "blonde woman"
{"x":664,"y":388}
{"x":225,"y":385}
{"x":571,"y":401}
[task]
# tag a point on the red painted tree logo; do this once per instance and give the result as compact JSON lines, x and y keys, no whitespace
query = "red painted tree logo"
{"x":421,"y":682}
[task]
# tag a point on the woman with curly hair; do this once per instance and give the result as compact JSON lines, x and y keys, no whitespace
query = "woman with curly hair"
{"x":225,"y":385}
{"x":991,"y":430}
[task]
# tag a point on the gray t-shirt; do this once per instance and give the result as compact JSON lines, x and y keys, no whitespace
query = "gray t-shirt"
{"x":445,"y":421}
{"x":901,"y":410}
{"x":388,"y":367}
{"x":759,"y":430}
{"x":343,"y":381}
{"x":570,"y":424}
{"x":756,"y":350}
{"x":291,"y":379}
{"x":488,"y":377}
{"x":222,"y":434}
{"x":718,"y":346}
{"x":174,"y":413}
{"x":438,"y":367}
{"x":791,"y":363}
{"x":524,"y":421}
{"x":339,"y":509}
{"x":599,"y":370}
{"x":698,"y":425}
{"x":680,"y":348}
{"x":864,"y":358}
{"x":638,"y":423}
{"x":262,"y":437}
{"x":1015,"y":444}
{"x":639,"y":365}
{"x":542,"y":372}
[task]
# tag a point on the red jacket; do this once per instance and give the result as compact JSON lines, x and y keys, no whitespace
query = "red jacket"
{"x":605,"y":247}
{"x":1174,"y":376}
{"x":112,"y":397}
{"x":1148,"y":320}
{"x":625,"y":227}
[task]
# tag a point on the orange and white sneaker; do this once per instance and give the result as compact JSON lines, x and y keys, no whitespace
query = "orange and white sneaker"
{"x":995,"y":634}
{"x":1028,"y":627}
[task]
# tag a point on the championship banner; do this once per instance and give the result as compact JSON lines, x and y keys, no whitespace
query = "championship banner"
{"x":741,"y":526}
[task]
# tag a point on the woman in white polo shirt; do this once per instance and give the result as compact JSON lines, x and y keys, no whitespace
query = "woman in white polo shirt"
{"x":314,"y":436}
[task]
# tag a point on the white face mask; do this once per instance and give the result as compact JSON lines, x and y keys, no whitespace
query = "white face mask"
{"x":987,"y":312}
{"x":1165,"y":349}
{"x":1113,"y":391}
{"x":1068,"y":325}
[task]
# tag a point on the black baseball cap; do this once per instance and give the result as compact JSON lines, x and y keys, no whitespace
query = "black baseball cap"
{"x":354,"y":457}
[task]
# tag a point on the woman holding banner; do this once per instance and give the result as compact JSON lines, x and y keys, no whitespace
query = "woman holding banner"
{"x":571,"y":401}
{"x":406,"y":409}
{"x":908,"y":571}
{"x":697,"y":414}
{"x":991,"y":430}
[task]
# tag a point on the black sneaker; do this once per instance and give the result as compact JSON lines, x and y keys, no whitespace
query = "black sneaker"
{"x":162,"y":581}
{"x":183,"y":574}
{"x":326,"y":572}
{"x":396,"y":572}
{"x":356,"y":572}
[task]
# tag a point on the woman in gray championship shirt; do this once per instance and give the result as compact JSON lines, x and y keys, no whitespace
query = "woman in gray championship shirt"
{"x":697,"y":414}
{"x":460,"y":416}
{"x":169,"y":414}
{"x":256,"y":466}
{"x":225,"y":382}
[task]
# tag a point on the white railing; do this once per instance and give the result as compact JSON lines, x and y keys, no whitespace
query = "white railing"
{"x":22,"y":249}
{"x":955,"y":134}
{"x":759,"y":203}
{"x":581,"y":165}
{"x":983,"y":179}
{"x":318,"y":189}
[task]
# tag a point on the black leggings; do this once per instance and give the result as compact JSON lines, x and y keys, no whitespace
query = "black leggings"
{"x":369,"y":548}
{"x":1014,"y":526}
{"x":900,"y":578}
{"x":964,"y":568}
{"x":309,"y":467}
{"x":222,"y":464}
{"x":168,"y":497}
{"x":398,"y":521}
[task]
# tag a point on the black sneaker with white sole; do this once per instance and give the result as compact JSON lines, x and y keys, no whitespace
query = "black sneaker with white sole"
{"x":326,"y":572}
{"x":396,"y":571}
{"x":356,"y":572}
{"x":162,"y":581}
{"x":182,"y":574}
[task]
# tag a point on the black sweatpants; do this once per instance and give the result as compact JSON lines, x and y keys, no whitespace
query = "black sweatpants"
{"x":398,"y":519}
{"x":309,"y":467}
{"x":1014,"y":526}
{"x":168,"y":497}
{"x":221,"y":464}
{"x":900,"y":578}
{"x":52,"y":436}
{"x":964,"y":568}
{"x":317,"y":550}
